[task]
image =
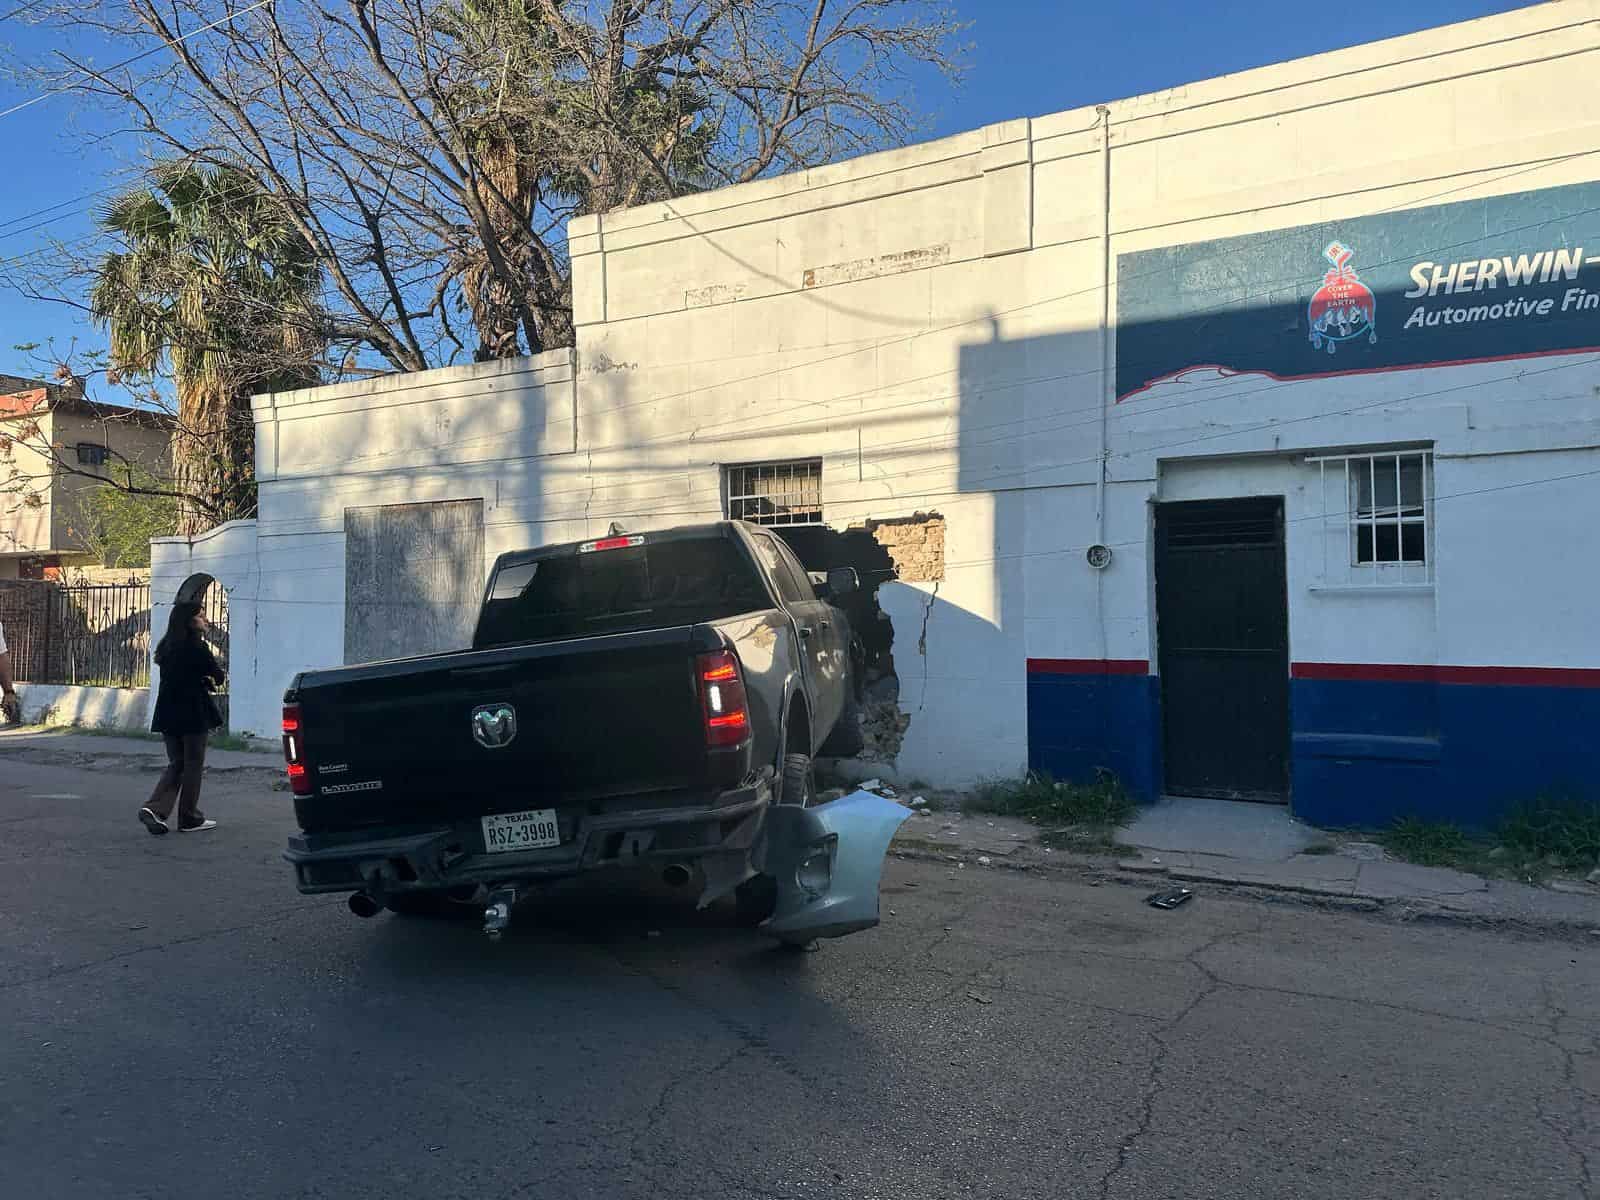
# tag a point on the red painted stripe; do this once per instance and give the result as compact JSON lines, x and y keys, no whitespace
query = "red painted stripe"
{"x":1423,"y":366}
{"x":1088,"y":666}
{"x":1563,"y":677}
{"x":1366,"y":672}
{"x":1559,"y":677}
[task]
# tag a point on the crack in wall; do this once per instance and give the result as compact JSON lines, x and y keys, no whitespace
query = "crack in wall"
{"x":922,"y":643}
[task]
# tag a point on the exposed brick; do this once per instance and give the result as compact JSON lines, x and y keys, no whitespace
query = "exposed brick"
{"x":915,"y":544}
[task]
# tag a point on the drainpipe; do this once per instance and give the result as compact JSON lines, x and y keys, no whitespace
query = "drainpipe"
{"x":1106,"y":384}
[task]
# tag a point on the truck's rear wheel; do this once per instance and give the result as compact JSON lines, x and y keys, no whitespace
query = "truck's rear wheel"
{"x":846,"y":739}
{"x":457,"y":903}
{"x":798,"y":785}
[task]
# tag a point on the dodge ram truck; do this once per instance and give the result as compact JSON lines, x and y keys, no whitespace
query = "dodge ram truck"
{"x":642,"y":701}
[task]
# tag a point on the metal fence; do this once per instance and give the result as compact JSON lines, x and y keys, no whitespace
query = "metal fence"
{"x":95,"y":635}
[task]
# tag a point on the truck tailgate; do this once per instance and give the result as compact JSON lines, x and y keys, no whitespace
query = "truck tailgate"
{"x":602,"y":716}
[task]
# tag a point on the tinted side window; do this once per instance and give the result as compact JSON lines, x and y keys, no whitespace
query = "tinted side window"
{"x":808,"y":590}
{"x":772,"y":554}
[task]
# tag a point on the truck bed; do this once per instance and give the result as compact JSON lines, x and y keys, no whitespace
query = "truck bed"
{"x":609,"y":716}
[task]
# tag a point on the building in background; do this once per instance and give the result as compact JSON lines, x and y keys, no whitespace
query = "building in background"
{"x":1240,"y":439}
{"x":39,"y":501}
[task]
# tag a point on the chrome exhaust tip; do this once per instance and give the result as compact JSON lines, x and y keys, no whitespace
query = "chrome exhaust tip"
{"x":364,"y":904}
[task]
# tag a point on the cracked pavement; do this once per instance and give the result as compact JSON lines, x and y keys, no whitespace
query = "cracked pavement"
{"x":178,"y":1022}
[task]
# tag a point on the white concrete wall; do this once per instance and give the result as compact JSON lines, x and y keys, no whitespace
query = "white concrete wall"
{"x":928,"y":322}
{"x":87,"y":707}
{"x":261,"y":660}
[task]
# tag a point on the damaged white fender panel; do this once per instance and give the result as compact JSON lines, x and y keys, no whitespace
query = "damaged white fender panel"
{"x":828,"y":862}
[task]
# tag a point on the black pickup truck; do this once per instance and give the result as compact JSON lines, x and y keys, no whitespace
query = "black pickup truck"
{"x":641,"y":701}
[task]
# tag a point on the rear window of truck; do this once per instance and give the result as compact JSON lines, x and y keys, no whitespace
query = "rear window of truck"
{"x":580,"y":594}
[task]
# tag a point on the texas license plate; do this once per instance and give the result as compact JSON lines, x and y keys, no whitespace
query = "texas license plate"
{"x":505,"y":832}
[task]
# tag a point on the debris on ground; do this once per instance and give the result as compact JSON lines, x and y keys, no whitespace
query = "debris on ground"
{"x":1363,"y":851}
{"x":1169,"y":898}
{"x":983,"y":860}
{"x":980,"y":998}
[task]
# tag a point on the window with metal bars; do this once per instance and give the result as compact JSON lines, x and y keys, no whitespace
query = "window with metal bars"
{"x":1384,"y":502}
{"x":776,"y":493}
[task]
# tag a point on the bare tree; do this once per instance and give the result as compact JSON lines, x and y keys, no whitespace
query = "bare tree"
{"x":431,"y":151}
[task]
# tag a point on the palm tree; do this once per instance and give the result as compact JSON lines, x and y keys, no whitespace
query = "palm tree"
{"x":215,"y":285}
{"x":540,"y":147}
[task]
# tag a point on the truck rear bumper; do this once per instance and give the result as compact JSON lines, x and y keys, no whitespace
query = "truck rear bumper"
{"x":718,"y":837}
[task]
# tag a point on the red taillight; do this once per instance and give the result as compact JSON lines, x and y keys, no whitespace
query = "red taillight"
{"x":294,"y":751}
{"x":722,"y":699}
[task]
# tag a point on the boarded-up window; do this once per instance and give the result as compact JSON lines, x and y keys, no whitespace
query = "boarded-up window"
{"x":413,"y":578}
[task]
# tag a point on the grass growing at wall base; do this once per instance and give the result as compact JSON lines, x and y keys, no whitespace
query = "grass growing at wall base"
{"x":1536,"y":838}
{"x":1080,"y":816}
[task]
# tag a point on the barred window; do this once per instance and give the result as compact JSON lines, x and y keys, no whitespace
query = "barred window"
{"x":776,"y":493}
{"x":1384,"y":502}
{"x":1388,"y":508}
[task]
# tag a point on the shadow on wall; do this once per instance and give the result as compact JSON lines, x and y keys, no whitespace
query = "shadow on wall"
{"x":1029,"y":437}
{"x":1219,"y":341}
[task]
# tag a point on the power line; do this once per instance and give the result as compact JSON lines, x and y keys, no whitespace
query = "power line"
{"x":143,"y":54}
{"x":1141,"y":412}
{"x":874,"y":347}
{"x":1433,"y":501}
{"x":17,"y":12}
{"x":7,"y":231}
{"x":978,"y":486}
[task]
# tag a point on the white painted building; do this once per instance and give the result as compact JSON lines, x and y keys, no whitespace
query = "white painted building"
{"x":1380,"y":264}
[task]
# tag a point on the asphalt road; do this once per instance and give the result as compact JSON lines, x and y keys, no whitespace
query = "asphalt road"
{"x":176,"y":1022}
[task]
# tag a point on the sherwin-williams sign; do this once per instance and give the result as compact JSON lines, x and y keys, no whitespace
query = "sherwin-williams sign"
{"x":1481,"y":280}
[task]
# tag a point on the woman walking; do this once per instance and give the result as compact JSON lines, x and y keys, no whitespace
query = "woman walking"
{"x":185,"y":714}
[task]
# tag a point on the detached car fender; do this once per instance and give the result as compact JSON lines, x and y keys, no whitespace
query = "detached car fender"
{"x":828,"y":862}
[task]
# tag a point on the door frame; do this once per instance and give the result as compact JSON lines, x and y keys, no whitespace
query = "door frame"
{"x":1158,"y":541}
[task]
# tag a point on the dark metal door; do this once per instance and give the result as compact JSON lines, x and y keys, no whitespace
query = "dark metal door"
{"x":1223,"y":628}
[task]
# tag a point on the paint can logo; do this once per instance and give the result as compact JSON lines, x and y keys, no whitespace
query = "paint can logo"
{"x":1343,"y":308}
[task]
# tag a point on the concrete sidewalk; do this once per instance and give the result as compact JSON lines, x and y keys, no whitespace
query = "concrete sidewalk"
{"x":1228,"y":844}
{"x":72,"y":747}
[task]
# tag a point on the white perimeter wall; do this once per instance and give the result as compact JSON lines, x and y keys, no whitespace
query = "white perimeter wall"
{"x":927,"y":321}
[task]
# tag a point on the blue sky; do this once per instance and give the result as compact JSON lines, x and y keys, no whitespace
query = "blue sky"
{"x":1029,"y":57}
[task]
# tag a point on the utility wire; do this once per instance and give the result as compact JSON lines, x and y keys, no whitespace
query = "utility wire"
{"x":979,"y":486}
{"x":143,"y":54}
{"x":17,"y":12}
{"x":1432,"y":501}
{"x":873,"y":347}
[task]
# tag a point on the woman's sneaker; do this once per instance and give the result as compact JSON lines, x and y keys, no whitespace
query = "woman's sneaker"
{"x":198,"y":826}
{"x":153,"y":823}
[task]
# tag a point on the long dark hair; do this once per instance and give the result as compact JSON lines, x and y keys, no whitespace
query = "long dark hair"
{"x":179,"y":633}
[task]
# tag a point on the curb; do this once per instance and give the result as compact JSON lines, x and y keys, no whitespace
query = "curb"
{"x":1135,"y":874}
{"x":47,"y":756}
